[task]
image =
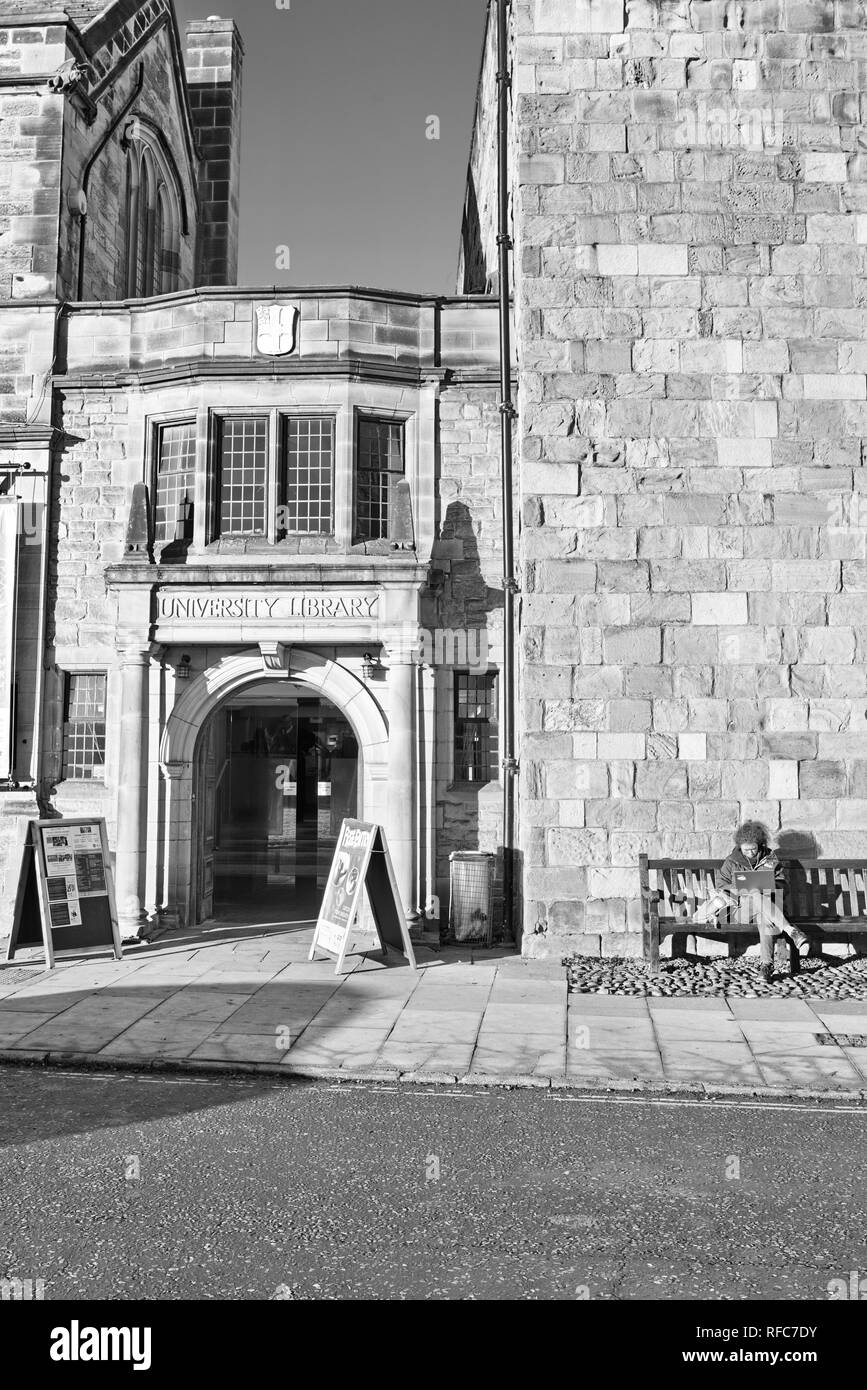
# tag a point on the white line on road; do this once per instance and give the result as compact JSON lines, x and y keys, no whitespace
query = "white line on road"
{"x":349,"y":1087}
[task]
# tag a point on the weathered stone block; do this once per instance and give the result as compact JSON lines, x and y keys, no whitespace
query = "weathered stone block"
{"x":821,"y":779}
{"x":579,"y":847}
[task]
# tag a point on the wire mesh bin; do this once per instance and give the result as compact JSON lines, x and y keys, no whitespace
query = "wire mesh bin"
{"x":471,"y":899}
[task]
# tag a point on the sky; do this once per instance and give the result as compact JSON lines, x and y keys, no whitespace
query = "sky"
{"x":336,"y":163}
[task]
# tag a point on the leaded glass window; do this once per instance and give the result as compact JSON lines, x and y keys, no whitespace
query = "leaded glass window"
{"x":475,"y":726}
{"x":84,"y":726}
{"x":380,"y":465}
{"x":175,"y":490}
{"x":308,"y":476}
{"x":243,"y":489}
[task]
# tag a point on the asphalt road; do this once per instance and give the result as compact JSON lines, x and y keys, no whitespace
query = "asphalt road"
{"x":126,"y":1187}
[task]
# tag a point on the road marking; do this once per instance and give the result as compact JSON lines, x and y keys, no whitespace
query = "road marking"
{"x":350,"y":1087}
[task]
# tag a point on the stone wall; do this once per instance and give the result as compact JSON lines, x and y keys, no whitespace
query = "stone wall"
{"x":691,"y":254}
{"x":478,"y":270}
{"x":215,"y":56}
{"x":469,"y":552}
{"x":30,"y":154}
{"x":162,"y":104}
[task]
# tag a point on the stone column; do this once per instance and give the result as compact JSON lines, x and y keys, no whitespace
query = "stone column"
{"x":132,"y":788}
{"x":401,"y":829}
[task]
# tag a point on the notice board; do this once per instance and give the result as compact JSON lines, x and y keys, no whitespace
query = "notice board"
{"x":361,"y":864}
{"x":66,"y":899}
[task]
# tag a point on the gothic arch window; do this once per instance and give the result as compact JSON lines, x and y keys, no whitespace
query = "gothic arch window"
{"x":153,"y":217}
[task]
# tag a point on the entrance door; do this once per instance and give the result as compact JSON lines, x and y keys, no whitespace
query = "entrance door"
{"x":276,"y":775}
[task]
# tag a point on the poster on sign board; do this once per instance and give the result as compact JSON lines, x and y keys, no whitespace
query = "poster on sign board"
{"x":361,"y":864}
{"x":65,"y":899}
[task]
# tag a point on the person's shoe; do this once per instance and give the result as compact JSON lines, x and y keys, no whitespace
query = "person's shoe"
{"x":804,"y":948}
{"x":768,"y":974}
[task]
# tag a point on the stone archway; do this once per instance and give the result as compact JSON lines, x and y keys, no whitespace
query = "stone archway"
{"x":205,"y":694}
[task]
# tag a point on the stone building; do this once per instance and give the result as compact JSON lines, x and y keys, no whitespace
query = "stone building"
{"x":248,"y":537}
{"x":689,"y":202}
{"x":253,"y":535}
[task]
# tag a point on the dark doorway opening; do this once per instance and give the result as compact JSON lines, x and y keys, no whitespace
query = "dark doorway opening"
{"x":275,"y":777}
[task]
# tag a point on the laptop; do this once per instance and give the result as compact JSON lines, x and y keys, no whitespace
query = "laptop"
{"x":755,"y":881}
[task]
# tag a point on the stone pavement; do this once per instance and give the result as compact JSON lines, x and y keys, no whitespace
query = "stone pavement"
{"x":226,"y":1000}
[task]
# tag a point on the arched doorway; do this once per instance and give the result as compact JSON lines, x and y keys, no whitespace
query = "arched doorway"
{"x":304,"y":674}
{"x":276,"y":772}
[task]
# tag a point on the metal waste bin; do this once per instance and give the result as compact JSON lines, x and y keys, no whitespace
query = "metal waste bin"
{"x":471,"y":900}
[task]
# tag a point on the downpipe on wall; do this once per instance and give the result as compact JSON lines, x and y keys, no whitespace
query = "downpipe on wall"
{"x":507,"y":415}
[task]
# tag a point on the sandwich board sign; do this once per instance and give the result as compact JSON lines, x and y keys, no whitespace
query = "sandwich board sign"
{"x":65,"y":899}
{"x":361,"y":863}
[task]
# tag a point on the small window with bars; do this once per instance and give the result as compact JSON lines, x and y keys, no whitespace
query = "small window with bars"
{"x":475,"y":727}
{"x":243,"y":491}
{"x":380,"y":466}
{"x":176,"y":482}
{"x":84,"y":727}
{"x":308,"y":476}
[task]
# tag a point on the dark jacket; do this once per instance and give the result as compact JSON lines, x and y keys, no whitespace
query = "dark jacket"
{"x":737,"y":863}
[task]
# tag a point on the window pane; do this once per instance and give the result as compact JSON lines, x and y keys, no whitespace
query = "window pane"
{"x":156,"y":276}
{"x":175,"y":492}
{"x":475,"y":727}
{"x":84,"y":727}
{"x":380,"y":464}
{"x":144,"y":197}
{"x":243,"y":477}
{"x":309,"y":470}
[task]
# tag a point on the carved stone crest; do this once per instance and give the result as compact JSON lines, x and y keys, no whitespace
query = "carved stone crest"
{"x":277,"y":329}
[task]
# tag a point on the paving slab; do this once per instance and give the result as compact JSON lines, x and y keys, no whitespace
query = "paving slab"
{"x":337,"y":1047}
{"x":616,"y":1006}
{"x":536,"y":1055}
{"x":241,"y":1047}
{"x":819,"y":1073}
{"x":707,"y":1061}
{"x":15,"y":1026}
{"x":615,"y":1066}
{"x":786,"y":1010}
{"x":696,"y":1004}
{"x":420,"y":1057}
{"x":417,"y":1025}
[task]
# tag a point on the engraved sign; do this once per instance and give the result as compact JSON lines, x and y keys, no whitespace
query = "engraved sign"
{"x":8,"y":566}
{"x":277,"y":328}
{"x":231,"y":607}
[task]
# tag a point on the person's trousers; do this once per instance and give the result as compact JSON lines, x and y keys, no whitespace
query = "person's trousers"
{"x":773,"y":922}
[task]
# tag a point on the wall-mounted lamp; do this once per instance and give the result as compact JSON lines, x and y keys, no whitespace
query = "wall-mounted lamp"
{"x":371,"y":664}
{"x":185,"y":667}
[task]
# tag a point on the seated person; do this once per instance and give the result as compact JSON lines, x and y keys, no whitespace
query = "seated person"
{"x":752,"y":852}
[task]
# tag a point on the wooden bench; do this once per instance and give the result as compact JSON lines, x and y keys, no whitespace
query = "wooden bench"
{"x":826,"y":898}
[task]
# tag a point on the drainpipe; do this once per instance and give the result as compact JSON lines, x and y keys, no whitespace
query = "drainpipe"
{"x":507,"y":415}
{"x":88,"y":169}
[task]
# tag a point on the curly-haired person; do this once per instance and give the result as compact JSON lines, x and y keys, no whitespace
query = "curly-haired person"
{"x":751,"y":852}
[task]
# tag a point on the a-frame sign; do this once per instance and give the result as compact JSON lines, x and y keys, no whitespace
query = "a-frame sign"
{"x":361,"y":862}
{"x":65,"y":900}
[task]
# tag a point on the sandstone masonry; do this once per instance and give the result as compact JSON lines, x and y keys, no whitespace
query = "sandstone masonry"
{"x":689,"y":205}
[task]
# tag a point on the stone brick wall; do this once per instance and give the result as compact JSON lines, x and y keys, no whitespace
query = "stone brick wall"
{"x":469,"y":553}
{"x":691,"y":254}
{"x":162,"y":104}
{"x":215,"y":56}
{"x":478,"y":271}
{"x":30,"y":153}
